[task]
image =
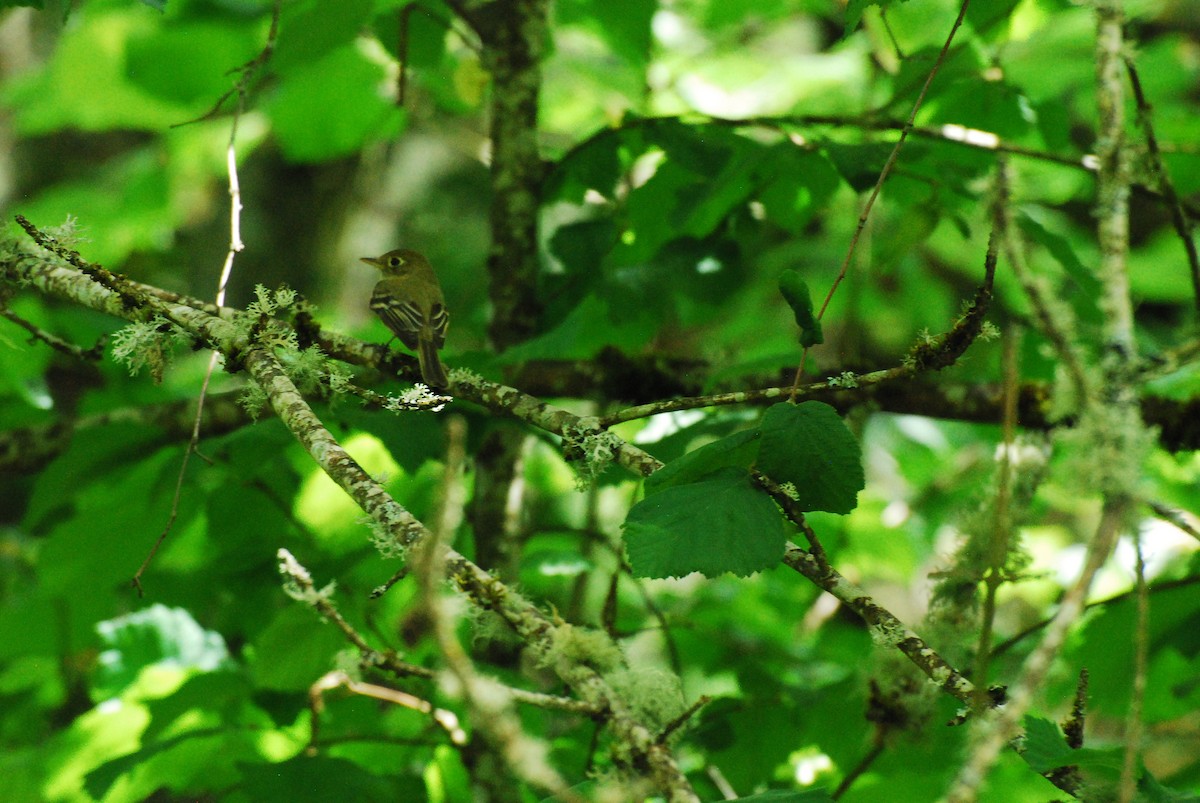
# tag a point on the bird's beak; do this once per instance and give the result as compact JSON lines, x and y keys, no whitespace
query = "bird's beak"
{"x":372,"y":261}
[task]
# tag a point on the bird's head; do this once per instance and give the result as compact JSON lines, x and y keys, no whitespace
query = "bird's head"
{"x":398,"y":262}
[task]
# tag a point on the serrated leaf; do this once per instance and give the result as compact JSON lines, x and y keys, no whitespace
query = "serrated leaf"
{"x":1045,"y":746}
{"x":733,"y":451}
{"x":795,"y":292}
{"x":809,"y":446}
{"x":722,"y":523}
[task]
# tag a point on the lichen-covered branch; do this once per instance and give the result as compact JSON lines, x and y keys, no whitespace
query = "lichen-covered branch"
{"x":111,"y":293}
{"x":527,"y":621}
{"x":886,"y":629}
{"x":514,"y":35}
{"x":1110,"y":418}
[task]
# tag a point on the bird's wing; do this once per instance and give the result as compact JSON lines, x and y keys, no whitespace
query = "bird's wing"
{"x":439,"y":319}
{"x":402,"y":317}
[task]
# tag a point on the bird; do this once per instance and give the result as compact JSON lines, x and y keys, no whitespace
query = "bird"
{"x":408,"y":299}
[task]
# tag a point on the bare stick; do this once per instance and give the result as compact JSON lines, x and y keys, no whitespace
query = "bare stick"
{"x":1183,"y":226}
{"x":235,"y":246}
{"x":1127,"y":790}
{"x":883,"y":175}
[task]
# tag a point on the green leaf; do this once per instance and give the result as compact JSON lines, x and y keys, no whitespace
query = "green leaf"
{"x":143,"y":221}
{"x":701,"y":208}
{"x":809,"y":446}
{"x":304,"y":778}
{"x":331,"y":107}
{"x":801,"y":186}
{"x":1086,"y":287}
{"x":1046,"y":748}
{"x":860,"y":165}
{"x":188,"y":63}
{"x":795,"y":292}
{"x":789,"y":796}
{"x":154,"y":635}
{"x":734,"y":451}
{"x":595,"y":165}
{"x":624,"y":26}
{"x":723,"y":523}
{"x":855,"y":9}
{"x":85,"y":85}
{"x":586,"y":330}
{"x":426,"y":35}
{"x":992,"y":106}
{"x":289,"y":654}
{"x":312,"y":29}
{"x":581,"y":247}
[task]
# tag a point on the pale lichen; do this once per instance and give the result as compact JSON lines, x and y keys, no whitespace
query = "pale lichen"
{"x":590,"y":450}
{"x":147,"y":344}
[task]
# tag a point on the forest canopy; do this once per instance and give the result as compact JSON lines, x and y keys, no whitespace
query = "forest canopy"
{"x":819,"y":418}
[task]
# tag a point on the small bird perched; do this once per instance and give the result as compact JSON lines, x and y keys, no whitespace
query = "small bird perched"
{"x":408,"y":299}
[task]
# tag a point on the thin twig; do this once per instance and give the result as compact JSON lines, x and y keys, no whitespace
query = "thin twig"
{"x":1183,"y":226}
{"x":883,"y":175}
{"x":994,"y":572}
{"x":1053,"y":319}
{"x":388,"y":661}
{"x":247,"y":73}
{"x":1159,"y":588}
{"x":235,"y":246}
{"x":949,"y":133}
{"x":1068,"y":778}
{"x":446,"y":720}
{"x":883,"y":622}
{"x":1180,"y":518}
{"x":1118,"y":397}
{"x":937,"y":353}
{"x":1127,"y":789}
{"x":864,"y":764}
{"x":92,"y":354}
{"x":402,"y":43}
{"x":1020,"y":697}
{"x":681,"y":720}
{"x":491,"y":712}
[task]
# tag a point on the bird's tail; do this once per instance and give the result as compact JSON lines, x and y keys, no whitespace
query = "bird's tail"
{"x":432,"y":370}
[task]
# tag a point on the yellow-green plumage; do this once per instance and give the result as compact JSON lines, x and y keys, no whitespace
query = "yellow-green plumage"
{"x":408,"y":299}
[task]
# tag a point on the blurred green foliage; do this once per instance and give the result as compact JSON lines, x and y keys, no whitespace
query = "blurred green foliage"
{"x":696,"y":151}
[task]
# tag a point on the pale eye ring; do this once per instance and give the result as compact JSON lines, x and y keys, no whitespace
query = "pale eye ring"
{"x":395,"y":262}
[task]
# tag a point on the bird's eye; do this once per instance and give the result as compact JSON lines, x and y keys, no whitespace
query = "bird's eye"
{"x":395,"y":262}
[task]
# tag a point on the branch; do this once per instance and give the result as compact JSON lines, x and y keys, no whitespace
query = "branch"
{"x":514,"y":35}
{"x":932,"y":354}
{"x":1110,"y":416}
{"x":534,"y":628}
{"x":1183,"y":226}
{"x":92,"y":354}
{"x":884,"y":625}
{"x":116,"y":296}
{"x":491,"y":708}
